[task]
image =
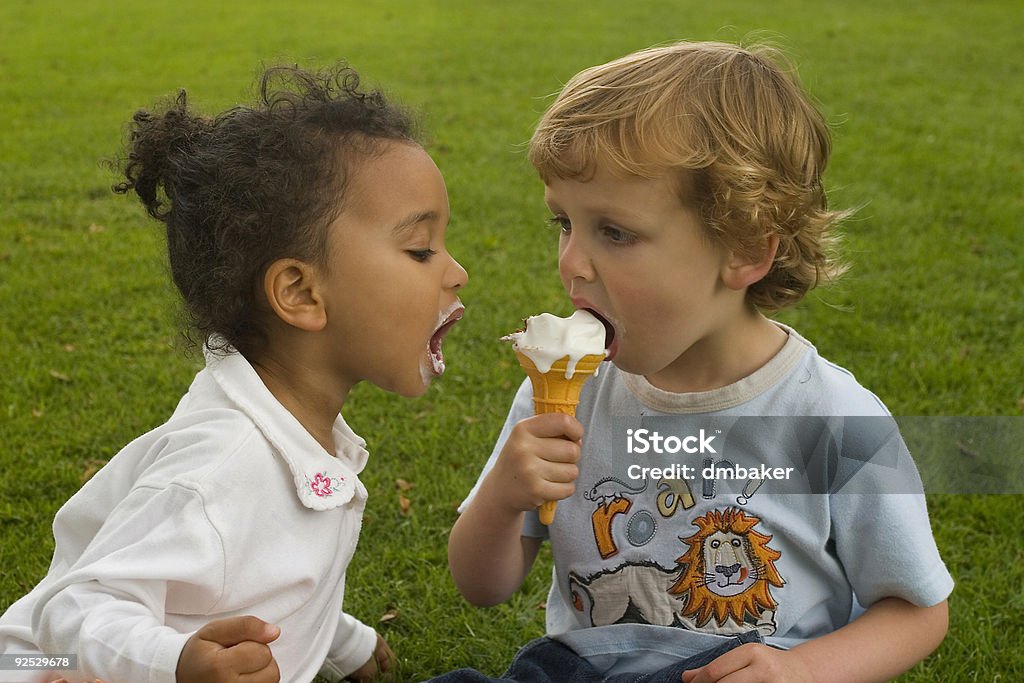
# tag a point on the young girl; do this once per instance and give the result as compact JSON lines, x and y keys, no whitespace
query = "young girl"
{"x":306,"y":235}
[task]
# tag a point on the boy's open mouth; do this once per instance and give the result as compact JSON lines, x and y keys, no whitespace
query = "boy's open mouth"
{"x":446,"y":321}
{"x":609,"y":332}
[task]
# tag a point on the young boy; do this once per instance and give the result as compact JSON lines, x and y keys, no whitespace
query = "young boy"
{"x":732,"y":506}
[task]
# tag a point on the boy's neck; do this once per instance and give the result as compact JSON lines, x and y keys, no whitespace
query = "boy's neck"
{"x":723,"y":357}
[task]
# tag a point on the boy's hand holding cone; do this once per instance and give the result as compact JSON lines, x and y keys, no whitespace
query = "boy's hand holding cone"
{"x":559,"y":355}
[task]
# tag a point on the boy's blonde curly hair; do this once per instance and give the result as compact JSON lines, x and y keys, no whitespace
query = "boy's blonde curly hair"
{"x":733,"y":119}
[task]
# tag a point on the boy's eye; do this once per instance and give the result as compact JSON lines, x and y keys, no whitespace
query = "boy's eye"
{"x":421,"y":255}
{"x":560,"y":222}
{"x":618,"y":236}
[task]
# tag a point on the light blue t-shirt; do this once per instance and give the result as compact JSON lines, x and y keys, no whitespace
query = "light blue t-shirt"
{"x":784,"y":503}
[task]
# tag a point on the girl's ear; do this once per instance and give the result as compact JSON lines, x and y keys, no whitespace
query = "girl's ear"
{"x":739,"y":271}
{"x":291,"y":288}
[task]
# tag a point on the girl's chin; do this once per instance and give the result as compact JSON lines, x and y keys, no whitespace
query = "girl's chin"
{"x":428,"y":373}
{"x":409,"y":385}
{"x":413,"y":389}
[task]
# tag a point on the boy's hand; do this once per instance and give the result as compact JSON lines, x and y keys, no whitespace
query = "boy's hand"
{"x":538,"y":462}
{"x":378,"y":667}
{"x":229,"y":650}
{"x":752,"y":663}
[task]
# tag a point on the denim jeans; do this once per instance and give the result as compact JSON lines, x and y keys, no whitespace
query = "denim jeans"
{"x":606,"y":654}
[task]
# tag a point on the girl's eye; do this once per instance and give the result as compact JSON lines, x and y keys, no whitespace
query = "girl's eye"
{"x":421,"y":255}
{"x":560,"y":222}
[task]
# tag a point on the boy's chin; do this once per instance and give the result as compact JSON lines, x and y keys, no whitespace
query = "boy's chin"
{"x":626,"y":364}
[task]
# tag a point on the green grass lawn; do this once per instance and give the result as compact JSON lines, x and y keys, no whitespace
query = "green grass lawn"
{"x":927,"y":99}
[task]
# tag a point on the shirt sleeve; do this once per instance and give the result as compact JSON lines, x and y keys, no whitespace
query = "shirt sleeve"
{"x":880,"y":519}
{"x":522,"y":408}
{"x":109,"y":608}
{"x":353,"y":645}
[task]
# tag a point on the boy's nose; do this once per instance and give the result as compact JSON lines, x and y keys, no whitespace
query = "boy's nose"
{"x":573,"y":260}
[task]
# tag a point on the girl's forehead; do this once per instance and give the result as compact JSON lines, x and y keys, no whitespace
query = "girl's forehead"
{"x":396,"y":190}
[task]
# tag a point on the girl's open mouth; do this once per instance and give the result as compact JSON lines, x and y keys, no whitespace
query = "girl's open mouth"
{"x":446,"y":321}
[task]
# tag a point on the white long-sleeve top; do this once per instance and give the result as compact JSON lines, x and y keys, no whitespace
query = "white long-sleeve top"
{"x":230,"y":508}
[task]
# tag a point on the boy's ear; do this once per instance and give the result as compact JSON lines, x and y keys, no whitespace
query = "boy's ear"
{"x":740,"y":271}
{"x":292,"y":289}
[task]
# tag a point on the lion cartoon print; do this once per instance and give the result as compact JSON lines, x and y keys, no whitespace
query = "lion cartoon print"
{"x":721,"y":584}
{"x":729,"y":574}
{"x":630,"y":592}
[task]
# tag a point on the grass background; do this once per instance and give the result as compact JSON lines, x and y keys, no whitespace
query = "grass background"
{"x":927,"y":98}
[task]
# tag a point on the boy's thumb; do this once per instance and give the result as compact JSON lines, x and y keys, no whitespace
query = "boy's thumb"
{"x":234,"y":630}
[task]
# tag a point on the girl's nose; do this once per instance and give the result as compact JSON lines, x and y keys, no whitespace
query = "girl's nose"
{"x":457,"y":276}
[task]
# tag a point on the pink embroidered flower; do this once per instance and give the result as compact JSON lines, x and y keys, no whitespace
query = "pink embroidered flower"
{"x":321,"y":485}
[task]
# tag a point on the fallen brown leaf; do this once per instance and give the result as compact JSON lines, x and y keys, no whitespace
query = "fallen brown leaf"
{"x":390,"y":615}
{"x":966,"y":451}
{"x":404,"y":506}
{"x":59,"y":376}
{"x":403,"y":485}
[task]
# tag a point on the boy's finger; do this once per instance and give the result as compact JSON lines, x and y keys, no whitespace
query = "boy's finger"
{"x":555,"y":425}
{"x":723,"y":666}
{"x":561,"y":473}
{"x":561,"y":452}
{"x":234,"y":630}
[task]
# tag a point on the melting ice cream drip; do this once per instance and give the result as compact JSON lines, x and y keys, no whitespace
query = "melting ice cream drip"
{"x":548,"y":338}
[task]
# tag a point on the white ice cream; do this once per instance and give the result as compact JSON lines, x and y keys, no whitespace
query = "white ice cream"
{"x":548,"y":338}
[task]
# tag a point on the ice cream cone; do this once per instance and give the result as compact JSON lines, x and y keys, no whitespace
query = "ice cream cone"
{"x":553,"y":392}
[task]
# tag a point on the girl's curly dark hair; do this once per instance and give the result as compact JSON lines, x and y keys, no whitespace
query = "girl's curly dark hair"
{"x":253,"y":185}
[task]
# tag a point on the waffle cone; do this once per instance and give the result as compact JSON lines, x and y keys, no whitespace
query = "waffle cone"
{"x":553,"y":392}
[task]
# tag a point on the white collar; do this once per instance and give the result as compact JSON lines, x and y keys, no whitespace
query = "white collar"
{"x":322,"y":482}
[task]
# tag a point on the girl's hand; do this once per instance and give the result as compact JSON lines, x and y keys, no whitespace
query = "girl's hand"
{"x":538,"y":462}
{"x":379,"y":667}
{"x":752,"y":663}
{"x":229,"y":650}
